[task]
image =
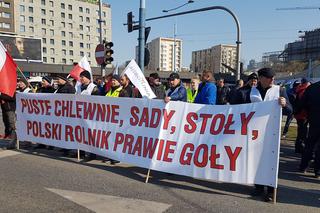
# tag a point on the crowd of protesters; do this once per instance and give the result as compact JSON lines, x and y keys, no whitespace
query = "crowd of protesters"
{"x":302,"y":102}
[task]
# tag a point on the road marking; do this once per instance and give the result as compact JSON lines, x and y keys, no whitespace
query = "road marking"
{"x":8,"y":153}
{"x":111,"y":204}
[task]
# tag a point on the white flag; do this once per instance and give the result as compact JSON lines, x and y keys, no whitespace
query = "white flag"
{"x":136,"y":76}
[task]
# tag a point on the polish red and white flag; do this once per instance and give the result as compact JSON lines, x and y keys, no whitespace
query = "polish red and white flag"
{"x":8,"y":72}
{"x":81,"y":66}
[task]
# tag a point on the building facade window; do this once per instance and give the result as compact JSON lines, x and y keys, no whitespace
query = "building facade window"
{"x":52,"y":41}
{"x":51,"y":32}
{"x":22,"y":28}
{"x":70,"y":52}
{"x":30,"y":9}
{"x":80,"y":9}
{"x":22,"y":19}
{"x":63,"y":33}
{"x":63,"y":6}
{"x":43,"y":12}
{"x":30,"y":19}
{"x":63,"y":42}
{"x":44,"y":50}
{"x":31,"y":29}
{"x":22,"y":9}
{"x":69,"y":7}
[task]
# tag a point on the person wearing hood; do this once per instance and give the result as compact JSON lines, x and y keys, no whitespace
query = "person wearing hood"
{"x":176,"y":92}
{"x":207,"y":91}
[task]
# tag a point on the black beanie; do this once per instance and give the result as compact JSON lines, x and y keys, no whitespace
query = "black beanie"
{"x":116,"y":77}
{"x":86,"y":74}
{"x":48,"y":79}
{"x":63,"y":77}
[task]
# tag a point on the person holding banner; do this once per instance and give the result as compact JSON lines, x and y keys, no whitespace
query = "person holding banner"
{"x":176,"y":92}
{"x":207,"y":92}
{"x":265,"y":91}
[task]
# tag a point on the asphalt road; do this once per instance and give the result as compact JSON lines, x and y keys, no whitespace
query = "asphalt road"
{"x":45,"y":181}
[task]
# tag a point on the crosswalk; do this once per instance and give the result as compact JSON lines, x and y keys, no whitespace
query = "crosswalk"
{"x":111,"y":204}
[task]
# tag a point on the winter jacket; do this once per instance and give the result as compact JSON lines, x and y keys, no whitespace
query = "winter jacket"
{"x":222,"y":95}
{"x":179,"y":93}
{"x":159,"y":91}
{"x":300,"y":114}
{"x":311,"y":103}
{"x":66,"y":88}
{"x":207,"y":94}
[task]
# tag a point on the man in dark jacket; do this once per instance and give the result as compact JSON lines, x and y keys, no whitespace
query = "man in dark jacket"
{"x":207,"y":90}
{"x":176,"y":92}
{"x":64,"y":86}
{"x":222,"y":92}
{"x":46,"y":85}
{"x":311,"y":103}
{"x":127,"y":90}
{"x":8,"y":107}
{"x":156,"y":86}
{"x":259,"y":93}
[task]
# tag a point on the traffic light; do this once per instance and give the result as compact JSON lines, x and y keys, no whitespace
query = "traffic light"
{"x":130,"y":22}
{"x":108,"y":53}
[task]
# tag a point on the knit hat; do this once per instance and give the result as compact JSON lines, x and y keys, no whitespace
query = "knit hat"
{"x":24,"y":81}
{"x":116,"y":77}
{"x":266,"y":72}
{"x":173,"y":76}
{"x":63,"y":77}
{"x":253,"y":76}
{"x":86,"y":74}
{"x":47,"y":79}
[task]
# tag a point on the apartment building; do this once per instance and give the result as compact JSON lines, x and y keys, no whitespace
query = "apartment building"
{"x":215,"y":58}
{"x":165,"y":54}
{"x":68,"y":29}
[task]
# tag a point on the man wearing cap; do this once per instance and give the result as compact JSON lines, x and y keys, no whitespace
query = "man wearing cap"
{"x":156,"y":86}
{"x":64,"y":86}
{"x":207,"y":92}
{"x":176,"y":92}
{"x":265,"y":91}
{"x":46,"y":85}
{"x":115,"y":87}
{"x":23,"y":86}
{"x":311,"y":103}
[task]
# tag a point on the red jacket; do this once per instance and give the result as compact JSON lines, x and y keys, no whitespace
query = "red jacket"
{"x":301,"y":115}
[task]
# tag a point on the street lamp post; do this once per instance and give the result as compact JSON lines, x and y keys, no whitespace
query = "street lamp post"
{"x":142,"y":22}
{"x":238,"y":42}
{"x":101,"y":38}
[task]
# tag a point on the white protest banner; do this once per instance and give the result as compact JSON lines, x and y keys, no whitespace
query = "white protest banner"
{"x":238,"y":144}
{"x":136,"y":76}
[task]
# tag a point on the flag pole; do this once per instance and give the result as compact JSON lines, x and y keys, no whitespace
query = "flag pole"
{"x":24,"y":76}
